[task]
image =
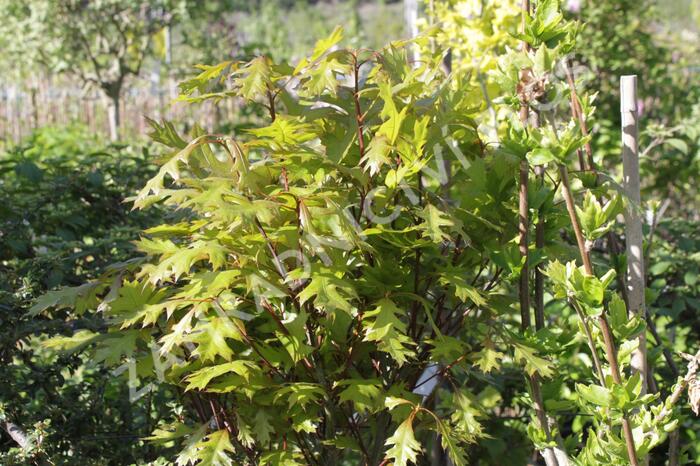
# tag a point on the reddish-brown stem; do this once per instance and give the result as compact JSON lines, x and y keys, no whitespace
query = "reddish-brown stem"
{"x":535,"y":387}
{"x":577,"y":113}
{"x":571,"y":209}
{"x":215,"y":412}
{"x":285,"y":179}
{"x":611,"y":356}
{"x":271,"y":105}
{"x":524,"y":283}
{"x":352,"y":423}
{"x":523,"y":226}
{"x":539,"y":276}
{"x":416,"y":272}
{"x":523,"y":208}
{"x":278,"y":263}
{"x":307,"y":454}
{"x":358,"y":110}
{"x":525,"y":8}
{"x":273,"y":117}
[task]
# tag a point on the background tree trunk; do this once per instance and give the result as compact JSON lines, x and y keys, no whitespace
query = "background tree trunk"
{"x":17,"y":434}
{"x":114,"y":115}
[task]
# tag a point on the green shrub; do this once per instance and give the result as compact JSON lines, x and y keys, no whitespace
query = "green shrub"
{"x":63,"y":221}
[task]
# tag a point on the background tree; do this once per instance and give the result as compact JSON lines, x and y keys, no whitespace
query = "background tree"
{"x":102,"y":43}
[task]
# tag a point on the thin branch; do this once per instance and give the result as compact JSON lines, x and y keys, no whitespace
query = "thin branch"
{"x":358,"y":111}
{"x":278,"y":263}
{"x":591,"y":343}
{"x":690,"y":378}
{"x":577,"y":113}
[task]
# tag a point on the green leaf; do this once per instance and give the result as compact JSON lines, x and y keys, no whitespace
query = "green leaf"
{"x":488,"y":358}
{"x":295,"y":340}
{"x":392,"y":402}
{"x":556,"y":271}
{"x":80,"y":297}
{"x":393,"y":118}
{"x":166,"y":433}
{"x":533,"y":363}
{"x":450,"y":443}
{"x":404,"y":446}
{"x":544,"y":60}
{"x":323,"y":45}
{"x":281,"y":458}
{"x":463,"y":290}
{"x":213,"y":451}
{"x":540,"y":156}
{"x":166,"y":134}
{"x":323,"y":78}
{"x":377,"y":154}
{"x":201,"y":378}
{"x":590,"y":214}
{"x":178,"y":263}
{"x":594,"y":394}
{"x":211,"y":336}
{"x":301,"y":394}
{"x":547,"y":12}
{"x":331,"y":293}
{"x":465,"y":417}
{"x":135,"y":302}
{"x":593,"y":290}
{"x":384,"y":325}
{"x":659,"y":268}
{"x":211,"y":74}
{"x":618,"y":313}
{"x":29,"y":170}
{"x":190,"y":453}
{"x":607,"y":279}
{"x":365,"y":394}
{"x":262,"y":426}
{"x":678,"y":144}
{"x":114,"y":346}
{"x":392,"y":127}
{"x":254,"y":79}
{"x":433,"y":221}
{"x":285,"y":132}
{"x":78,"y":340}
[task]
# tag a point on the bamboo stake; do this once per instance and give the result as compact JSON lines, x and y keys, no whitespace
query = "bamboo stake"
{"x":633,"y":221}
{"x":577,"y":113}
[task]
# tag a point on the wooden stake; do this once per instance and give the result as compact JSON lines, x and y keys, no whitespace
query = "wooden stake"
{"x":633,"y":221}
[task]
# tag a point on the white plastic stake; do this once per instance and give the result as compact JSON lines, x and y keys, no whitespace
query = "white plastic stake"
{"x":635,"y":281}
{"x":411,"y":19}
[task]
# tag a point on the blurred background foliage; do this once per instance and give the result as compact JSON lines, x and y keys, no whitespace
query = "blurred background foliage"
{"x":62,"y":216}
{"x":62,"y":221}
